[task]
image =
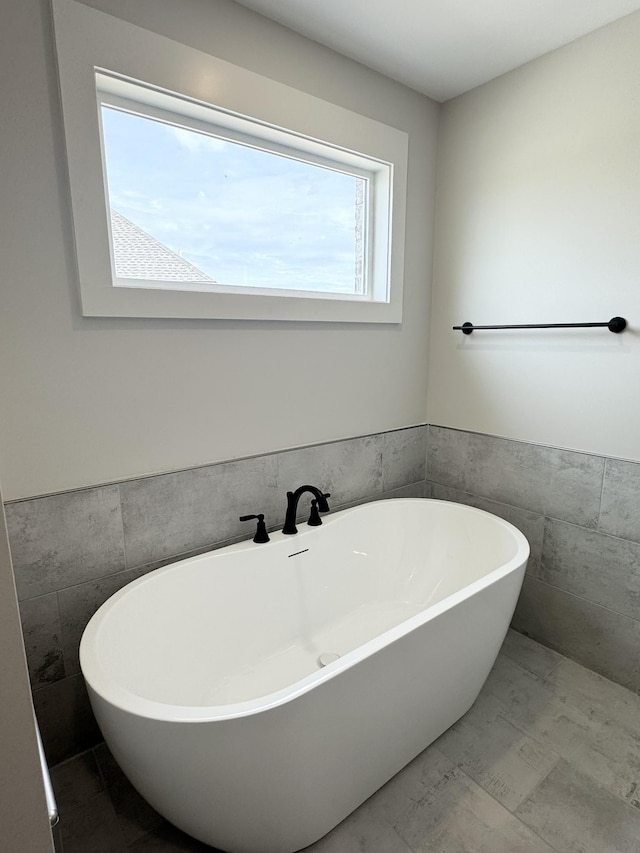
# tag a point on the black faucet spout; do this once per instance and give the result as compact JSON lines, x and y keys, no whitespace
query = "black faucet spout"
{"x":292,"y":505}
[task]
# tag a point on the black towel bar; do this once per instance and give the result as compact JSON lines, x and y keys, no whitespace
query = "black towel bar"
{"x":615,"y":324}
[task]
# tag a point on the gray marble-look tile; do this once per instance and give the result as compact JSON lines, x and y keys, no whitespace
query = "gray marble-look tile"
{"x":575,"y":814}
{"x":41,"y":632}
{"x":165,"y":838}
{"x":600,"y":696}
{"x":447,"y":456}
{"x":526,"y":698}
{"x":135,"y":815}
{"x":412,"y":490}
{"x":496,"y":754}
{"x":550,"y":716}
{"x":590,"y":722}
{"x":65,"y":718}
{"x":563,"y":484}
{"x":350,"y":470}
{"x":403,"y":457}
{"x":530,"y":523}
{"x":92,"y":827}
{"x":619,"y":514}
{"x":65,"y":539}
{"x":409,"y":785}
{"x":531,"y":655}
{"x":167,"y":561}
{"x":457,"y":816}
{"x":78,"y":604}
{"x":594,"y":636}
{"x":364,"y":831}
{"x":76,"y":781}
{"x":587,"y":729}
{"x":176,"y":513}
{"x":601,"y":568}
{"x":605,"y":744}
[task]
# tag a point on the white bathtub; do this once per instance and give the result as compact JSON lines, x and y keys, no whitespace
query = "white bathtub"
{"x":205,"y":681}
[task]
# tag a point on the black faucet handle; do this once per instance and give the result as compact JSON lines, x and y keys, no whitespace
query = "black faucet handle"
{"x":324,"y":506}
{"x":314,"y":518}
{"x":261,"y":530}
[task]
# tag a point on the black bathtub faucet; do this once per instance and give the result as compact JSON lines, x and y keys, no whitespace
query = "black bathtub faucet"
{"x":292,"y":506}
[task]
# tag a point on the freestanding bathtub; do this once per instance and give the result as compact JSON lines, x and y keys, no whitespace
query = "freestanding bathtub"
{"x":257,"y":694}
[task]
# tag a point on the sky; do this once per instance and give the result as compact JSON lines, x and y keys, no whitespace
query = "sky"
{"x":242,"y":215}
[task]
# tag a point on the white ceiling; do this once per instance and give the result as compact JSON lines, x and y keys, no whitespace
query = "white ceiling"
{"x":443,"y":47}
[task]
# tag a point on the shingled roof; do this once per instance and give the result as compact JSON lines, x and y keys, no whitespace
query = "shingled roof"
{"x":139,"y":255}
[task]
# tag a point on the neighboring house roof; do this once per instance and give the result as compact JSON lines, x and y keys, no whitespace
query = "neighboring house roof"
{"x":139,"y":255}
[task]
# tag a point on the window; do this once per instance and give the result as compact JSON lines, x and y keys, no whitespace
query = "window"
{"x":200,"y":189}
{"x":202,"y":200}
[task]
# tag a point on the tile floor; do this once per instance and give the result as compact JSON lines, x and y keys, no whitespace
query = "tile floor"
{"x":548,"y":759}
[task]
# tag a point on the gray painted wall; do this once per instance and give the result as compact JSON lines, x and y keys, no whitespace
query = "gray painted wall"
{"x":91,"y":400}
{"x":538,"y":216}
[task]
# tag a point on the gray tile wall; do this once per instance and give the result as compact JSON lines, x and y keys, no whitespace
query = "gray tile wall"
{"x":581,"y":514}
{"x":71,"y":551}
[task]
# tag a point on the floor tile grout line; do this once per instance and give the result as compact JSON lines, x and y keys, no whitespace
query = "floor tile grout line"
{"x":616,"y":684}
{"x":537,"y":785}
{"x":593,"y":779}
{"x":564,"y":659}
{"x":110,"y":805}
{"x":556,"y":665}
{"x":107,"y":791}
{"x":521,"y":665}
{"x":529,"y":829}
{"x":94,"y":752}
{"x":528,"y":669}
{"x":535,"y":740}
{"x":573,"y":700}
{"x":72,"y":758}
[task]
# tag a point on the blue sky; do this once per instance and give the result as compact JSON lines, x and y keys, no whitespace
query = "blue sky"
{"x":242,"y":215}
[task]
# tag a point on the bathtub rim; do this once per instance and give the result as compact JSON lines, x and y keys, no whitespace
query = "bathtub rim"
{"x":108,"y":690}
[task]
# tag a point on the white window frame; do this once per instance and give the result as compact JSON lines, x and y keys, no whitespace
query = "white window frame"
{"x":91,"y":43}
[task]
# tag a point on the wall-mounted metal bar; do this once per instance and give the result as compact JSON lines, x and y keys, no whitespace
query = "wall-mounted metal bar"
{"x":615,"y":324}
{"x":52,"y":807}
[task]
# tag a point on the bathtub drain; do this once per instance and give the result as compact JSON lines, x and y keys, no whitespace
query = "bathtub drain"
{"x":327,"y":658}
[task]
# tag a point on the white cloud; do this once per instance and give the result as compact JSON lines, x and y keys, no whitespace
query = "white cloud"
{"x":196,"y":142}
